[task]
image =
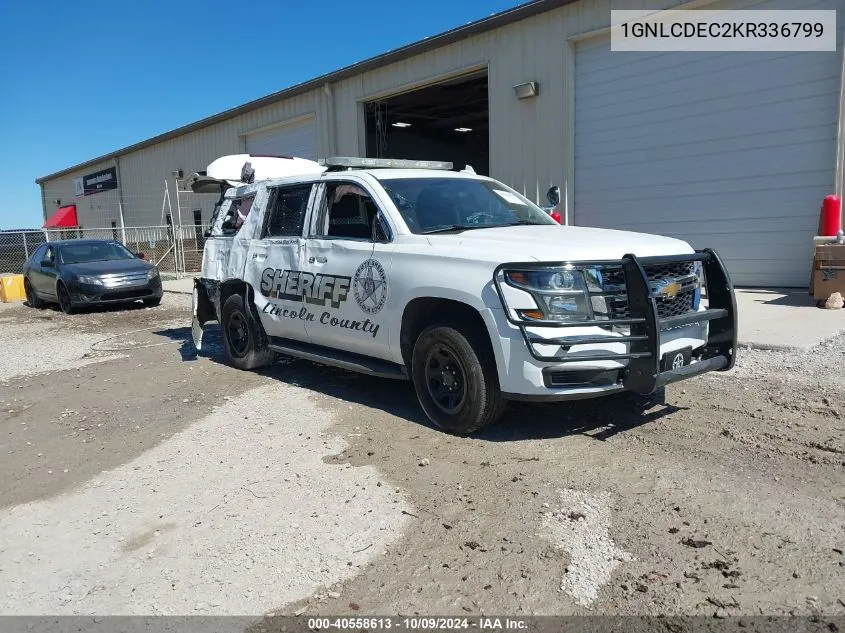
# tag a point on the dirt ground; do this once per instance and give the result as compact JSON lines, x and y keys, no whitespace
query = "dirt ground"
{"x":140,"y":477}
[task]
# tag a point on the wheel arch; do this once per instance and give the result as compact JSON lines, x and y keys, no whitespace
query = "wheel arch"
{"x":420,"y":312}
{"x":244,"y":289}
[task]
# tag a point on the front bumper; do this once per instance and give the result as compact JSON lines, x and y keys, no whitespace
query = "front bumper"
{"x":96,"y":294}
{"x":590,"y":360}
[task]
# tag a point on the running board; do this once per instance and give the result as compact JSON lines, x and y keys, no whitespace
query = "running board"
{"x":337,"y":358}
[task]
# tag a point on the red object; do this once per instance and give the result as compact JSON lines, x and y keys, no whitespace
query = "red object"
{"x":556,"y":217}
{"x":63,"y":218}
{"x":831,"y":216}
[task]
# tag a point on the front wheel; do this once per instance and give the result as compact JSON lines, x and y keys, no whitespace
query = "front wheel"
{"x":242,"y":337}
{"x":454,"y":375}
{"x":64,"y":300}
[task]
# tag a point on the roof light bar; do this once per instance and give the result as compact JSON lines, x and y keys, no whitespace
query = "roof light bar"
{"x":354,"y":162}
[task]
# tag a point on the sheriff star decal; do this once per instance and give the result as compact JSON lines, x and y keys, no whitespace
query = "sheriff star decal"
{"x":369,"y":285}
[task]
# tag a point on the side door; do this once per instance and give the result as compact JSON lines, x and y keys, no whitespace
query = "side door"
{"x":274,"y":263}
{"x":342,"y":253}
{"x":32,"y":267}
{"x":44,"y":275}
{"x":225,"y":229}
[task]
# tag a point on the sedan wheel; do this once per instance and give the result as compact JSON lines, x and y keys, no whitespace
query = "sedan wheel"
{"x":32,"y":299}
{"x":64,"y":300}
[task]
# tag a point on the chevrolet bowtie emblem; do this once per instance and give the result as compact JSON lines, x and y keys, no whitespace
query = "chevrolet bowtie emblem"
{"x":667,"y":289}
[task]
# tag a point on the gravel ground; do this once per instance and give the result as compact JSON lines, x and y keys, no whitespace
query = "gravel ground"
{"x":198,"y":524}
{"x":726,"y":499}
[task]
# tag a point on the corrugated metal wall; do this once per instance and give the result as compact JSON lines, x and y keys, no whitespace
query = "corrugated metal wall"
{"x":143,"y":172}
{"x":530,"y":140}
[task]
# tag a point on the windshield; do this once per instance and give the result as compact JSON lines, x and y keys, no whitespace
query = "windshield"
{"x":93,"y":252}
{"x":431,"y":205}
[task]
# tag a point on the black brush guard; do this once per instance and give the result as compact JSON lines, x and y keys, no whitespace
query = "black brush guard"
{"x":642,"y":374}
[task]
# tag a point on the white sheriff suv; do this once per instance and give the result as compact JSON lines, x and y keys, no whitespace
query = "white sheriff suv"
{"x":410,"y":270}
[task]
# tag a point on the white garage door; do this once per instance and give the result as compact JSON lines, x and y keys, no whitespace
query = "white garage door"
{"x":733,"y":151}
{"x":294,"y":139}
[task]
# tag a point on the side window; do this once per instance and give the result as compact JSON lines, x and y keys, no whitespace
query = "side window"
{"x":287,"y":213}
{"x":348,"y":211}
{"x":234,"y":213}
{"x":38,"y":255}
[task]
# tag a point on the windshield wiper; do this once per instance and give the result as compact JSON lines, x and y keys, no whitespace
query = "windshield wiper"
{"x":454,"y":227}
{"x":526,"y":223}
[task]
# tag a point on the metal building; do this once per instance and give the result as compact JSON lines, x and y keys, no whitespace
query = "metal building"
{"x":730,"y":150}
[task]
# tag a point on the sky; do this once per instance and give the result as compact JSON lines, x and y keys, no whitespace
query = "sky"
{"x":81,"y":79}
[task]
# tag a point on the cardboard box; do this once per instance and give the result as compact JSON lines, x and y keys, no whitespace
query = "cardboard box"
{"x":11,"y":288}
{"x":828,"y":271}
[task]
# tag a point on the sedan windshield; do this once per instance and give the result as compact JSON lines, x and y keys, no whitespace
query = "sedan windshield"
{"x":93,"y":252}
{"x":434,"y":205}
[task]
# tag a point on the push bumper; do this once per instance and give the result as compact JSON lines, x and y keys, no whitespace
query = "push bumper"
{"x":630,"y":361}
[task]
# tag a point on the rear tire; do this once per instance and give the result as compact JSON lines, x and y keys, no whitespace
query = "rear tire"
{"x":243,"y":336}
{"x":32,"y":299}
{"x":454,"y":375}
{"x":65,"y":302}
{"x":152,"y":303}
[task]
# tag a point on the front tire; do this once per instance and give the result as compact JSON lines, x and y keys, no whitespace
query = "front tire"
{"x":243,"y":337}
{"x":32,"y":299}
{"x":65,"y":302}
{"x":454,"y":375}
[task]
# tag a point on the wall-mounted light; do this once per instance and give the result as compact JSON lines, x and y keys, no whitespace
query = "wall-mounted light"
{"x":401,"y":124}
{"x":527,"y":90}
{"x":57,"y":202}
{"x":177,"y":173}
{"x":463,"y":129}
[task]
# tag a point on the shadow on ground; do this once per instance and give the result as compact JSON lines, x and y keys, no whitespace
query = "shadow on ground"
{"x":598,"y":418}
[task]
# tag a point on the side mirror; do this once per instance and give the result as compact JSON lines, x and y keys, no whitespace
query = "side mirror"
{"x":207,"y":233}
{"x":140,"y":256}
{"x":553,"y":195}
{"x":46,"y":263}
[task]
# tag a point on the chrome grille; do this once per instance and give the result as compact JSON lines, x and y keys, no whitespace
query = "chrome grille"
{"x":683,"y":273}
{"x":121,"y":280}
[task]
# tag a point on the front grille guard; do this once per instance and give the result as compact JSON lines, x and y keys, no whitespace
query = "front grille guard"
{"x":642,"y":373}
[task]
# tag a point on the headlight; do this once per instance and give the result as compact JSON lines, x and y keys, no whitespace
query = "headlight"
{"x":94,"y":281}
{"x":560,"y":294}
{"x":152,"y":273}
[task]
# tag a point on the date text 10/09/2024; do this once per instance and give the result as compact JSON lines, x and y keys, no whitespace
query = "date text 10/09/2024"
{"x":418,"y":623}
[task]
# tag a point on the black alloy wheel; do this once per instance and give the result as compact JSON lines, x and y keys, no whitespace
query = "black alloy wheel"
{"x":32,"y":299}
{"x":445,"y":379}
{"x":64,"y":299}
{"x":238,"y":334}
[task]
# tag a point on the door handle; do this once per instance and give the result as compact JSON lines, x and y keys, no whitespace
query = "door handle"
{"x":319,"y":260}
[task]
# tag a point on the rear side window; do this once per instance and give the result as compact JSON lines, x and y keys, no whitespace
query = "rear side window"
{"x":287,"y":213}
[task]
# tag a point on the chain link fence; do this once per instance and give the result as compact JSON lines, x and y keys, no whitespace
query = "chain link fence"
{"x":16,"y":247}
{"x":176,"y":250}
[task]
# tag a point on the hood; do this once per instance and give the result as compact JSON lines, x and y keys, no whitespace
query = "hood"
{"x":554,"y":243}
{"x":107,"y":266}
